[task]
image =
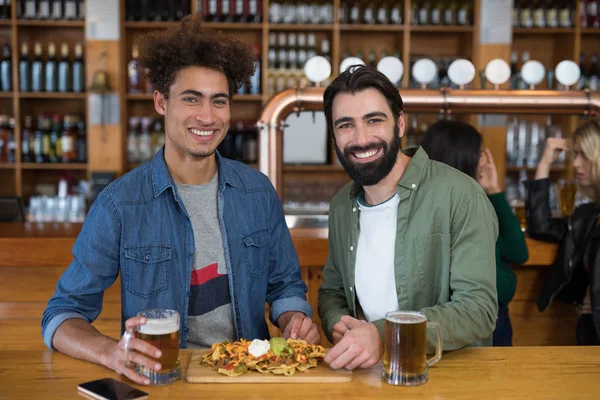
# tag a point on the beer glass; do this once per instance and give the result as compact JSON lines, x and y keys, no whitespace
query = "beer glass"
{"x":567,"y":190}
{"x":405,"y":360}
{"x":161,"y":331}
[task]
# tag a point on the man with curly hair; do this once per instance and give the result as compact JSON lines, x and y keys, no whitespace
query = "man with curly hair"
{"x":189,"y":230}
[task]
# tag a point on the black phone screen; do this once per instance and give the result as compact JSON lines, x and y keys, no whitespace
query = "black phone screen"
{"x":110,"y":389}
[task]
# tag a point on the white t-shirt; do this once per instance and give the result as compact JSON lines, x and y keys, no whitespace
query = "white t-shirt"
{"x":374,"y":270}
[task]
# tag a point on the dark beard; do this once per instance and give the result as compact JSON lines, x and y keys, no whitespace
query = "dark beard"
{"x":371,"y":173}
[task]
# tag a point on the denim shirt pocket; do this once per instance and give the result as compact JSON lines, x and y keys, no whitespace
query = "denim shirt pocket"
{"x":256,"y":252}
{"x":147,"y":269}
{"x":433,"y":257}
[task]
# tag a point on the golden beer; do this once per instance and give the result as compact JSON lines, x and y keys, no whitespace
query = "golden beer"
{"x":405,"y":345}
{"x":567,"y":191}
{"x":161,"y":331}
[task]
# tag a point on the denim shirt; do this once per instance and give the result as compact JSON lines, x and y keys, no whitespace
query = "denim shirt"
{"x":138,"y":227}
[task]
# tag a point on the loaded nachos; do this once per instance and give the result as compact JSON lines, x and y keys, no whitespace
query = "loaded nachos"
{"x":277,"y":356}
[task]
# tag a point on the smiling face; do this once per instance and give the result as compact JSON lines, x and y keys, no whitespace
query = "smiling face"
{"x":196,"y":112}
{"x":583,"y":165}
{"x":367,"y":138}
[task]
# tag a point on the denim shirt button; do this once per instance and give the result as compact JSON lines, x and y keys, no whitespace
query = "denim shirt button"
{"x":147,"y":256}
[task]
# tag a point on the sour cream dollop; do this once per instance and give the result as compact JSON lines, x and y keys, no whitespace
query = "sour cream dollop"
{"x":259,"y":347}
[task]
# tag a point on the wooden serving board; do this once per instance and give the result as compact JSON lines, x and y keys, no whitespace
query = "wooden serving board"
{"x":198,"y":373}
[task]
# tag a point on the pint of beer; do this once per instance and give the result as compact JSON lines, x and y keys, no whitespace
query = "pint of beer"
{"x":567,"y":191}
{"x":161,"y":331}
{"x":405,"y":359}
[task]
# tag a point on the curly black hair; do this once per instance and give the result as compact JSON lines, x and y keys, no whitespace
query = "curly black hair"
{"x":164,"y":54}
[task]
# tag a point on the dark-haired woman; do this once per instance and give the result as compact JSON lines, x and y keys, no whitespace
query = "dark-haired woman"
{"x":459,"y":145}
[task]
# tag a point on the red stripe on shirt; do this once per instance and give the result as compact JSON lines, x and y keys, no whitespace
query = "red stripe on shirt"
{"x":201,"y":276}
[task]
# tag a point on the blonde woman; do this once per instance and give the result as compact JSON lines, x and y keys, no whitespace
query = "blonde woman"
{"x":575,"y":274}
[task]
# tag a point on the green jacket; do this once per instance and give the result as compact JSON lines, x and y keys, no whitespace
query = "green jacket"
{"x":511,"y":248}
{"x":445,"y":253}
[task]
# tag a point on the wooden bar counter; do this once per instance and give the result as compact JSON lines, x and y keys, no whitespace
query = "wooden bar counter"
{"x":471,"y":373}
{"x":34,"y":256}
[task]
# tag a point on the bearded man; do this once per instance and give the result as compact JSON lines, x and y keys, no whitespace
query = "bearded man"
{"x":408,"y":233}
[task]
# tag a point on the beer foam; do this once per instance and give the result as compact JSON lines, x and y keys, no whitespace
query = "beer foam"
{"x":159,"y":326}
{"x":406,"y":317}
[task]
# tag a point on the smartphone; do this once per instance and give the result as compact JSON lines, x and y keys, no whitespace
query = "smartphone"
{"x":110,"y":389}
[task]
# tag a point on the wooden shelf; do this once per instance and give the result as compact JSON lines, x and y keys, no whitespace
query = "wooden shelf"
{"x":55,"y":166}
{"x":441,"y":28}
{"x":5,"y":22}
{"x":244,"y":26}
{"x":52,"y":96}
{"x":371,"y":28}
{"x":139,"y":96}
{"x":247,"y":97}
{"x":590,"y":31}
{"x":6,"y":95}
{"x":301,"y":27}
{"x":51,"y":23}
{"x":5,"y":165}
{"x":541,"y":31}
{"x":533,"y":169}
{"x":151,"y":24}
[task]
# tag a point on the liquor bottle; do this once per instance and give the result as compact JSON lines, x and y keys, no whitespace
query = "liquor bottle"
{"x":355,"y":12}
{"x":255,"y":88}
{"x":50,"y":69}
{"x":226,"y":11}
{"x":134,"y":72}
{"x":239,"y":11}
{"x":12,"y":143}
{"x":463,"y":14}
{"x":424,"y":13}
{"x":57,"y":142}
{"x":325,"y":51}
{"x":64,"y":69}
{"x":369,"y":13}
{"x":583,"y":14}
{"x":5,"y":9}
{"x":56,"y":10}
{"x":70,"y":10}
{"x":565,"y":14}
{"x":145,"y":140}
{"x":238,"y":141}
{"x":414,"y":13}
{"x":157,"y":135}
{"x":26,"y":141}
{"x":372,"y":59}
{"x":78,"y":74}
{"x":343,"y":12}
{"x":133,"y":145}
{"x":539,"y":14}
{"x":312,"y":46}
{"x":594,"y":14}
{"x":37,"y":69}
{"x":301,"y":50}
{"x":80,"y":10}
{"x":552,"y":12}
{"x":593,"y":74}
{"x":582,"y":83}
{"x":326,"y":13}
{"x":38,"y":141}
{"x":450,"y":13}
{"x":254,"y":11}
{"x":43,"y":9}
{"x":212,"y":14}
{"x":46,"y":141}
{"x":395,"y":14}
{"x":6,"y":69}
{"x":292,"y":65}
{"x":24,"y":69}
{"x":69,"y":139}
{"x":516,"y":14}
{"x":515,"y":75}
{"x":436,"y":13}
{"x":250,"y":144}
{"x":30,"y":10}
{"x":3,"y":138}
{"x":81,"y":146}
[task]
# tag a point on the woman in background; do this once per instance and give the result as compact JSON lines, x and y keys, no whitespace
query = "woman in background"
{"x":459,"y":145}
{"x":575,"y":274}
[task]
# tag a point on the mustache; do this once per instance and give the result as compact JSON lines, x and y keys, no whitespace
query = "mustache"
{"x":361,"y":149}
